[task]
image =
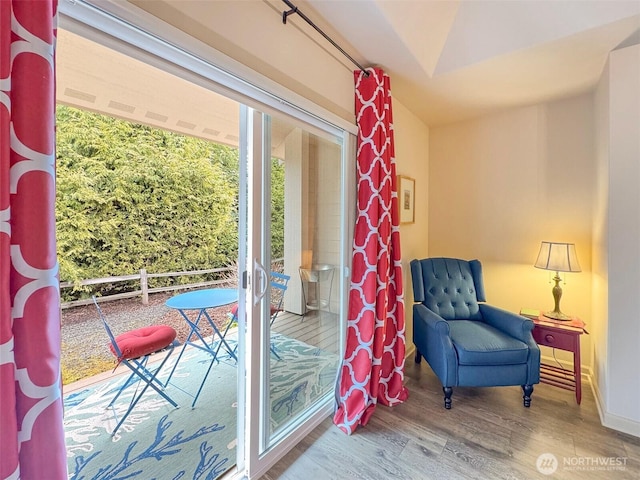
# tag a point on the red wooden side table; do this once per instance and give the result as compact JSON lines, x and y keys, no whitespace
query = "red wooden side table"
{"x":564,"y":335}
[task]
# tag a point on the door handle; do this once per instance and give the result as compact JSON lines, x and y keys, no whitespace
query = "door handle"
{"x":261,"y":274}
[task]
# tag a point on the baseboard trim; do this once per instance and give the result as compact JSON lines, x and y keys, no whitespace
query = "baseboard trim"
{"x":409,"y":352}
{"x":609,"y":420}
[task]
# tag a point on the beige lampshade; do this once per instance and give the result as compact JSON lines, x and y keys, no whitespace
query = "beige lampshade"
{"x":557,"y":256}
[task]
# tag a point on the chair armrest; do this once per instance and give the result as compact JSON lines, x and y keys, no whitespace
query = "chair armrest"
{"x":431,"y":337}
{"x":431,"y":320}
{"x":508,"y":322}
{"x":519,"y":327}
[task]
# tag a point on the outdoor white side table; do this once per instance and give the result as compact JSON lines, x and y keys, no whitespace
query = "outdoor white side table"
{"x":317,"y":283}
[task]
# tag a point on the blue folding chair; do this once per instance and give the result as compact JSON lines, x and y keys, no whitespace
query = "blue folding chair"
{"x":279,"y":283}
{"x":133,"y":349}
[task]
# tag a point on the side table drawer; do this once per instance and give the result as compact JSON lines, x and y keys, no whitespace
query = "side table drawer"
{"x":553,"y":338}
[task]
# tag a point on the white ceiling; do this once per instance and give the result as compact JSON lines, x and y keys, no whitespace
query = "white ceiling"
{"x":448,"y":60}
{"x":451,"y":60}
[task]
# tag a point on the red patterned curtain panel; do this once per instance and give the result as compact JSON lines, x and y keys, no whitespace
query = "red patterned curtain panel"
{"x":31,"y":432}
{"x":373,"y":366}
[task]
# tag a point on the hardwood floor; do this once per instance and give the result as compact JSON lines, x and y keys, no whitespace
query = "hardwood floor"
{"x":487,"y":434}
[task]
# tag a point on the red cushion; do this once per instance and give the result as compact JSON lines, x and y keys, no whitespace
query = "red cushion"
{"x":143,"y":341}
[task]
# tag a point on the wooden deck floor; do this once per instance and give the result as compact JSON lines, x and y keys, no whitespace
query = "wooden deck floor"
{"x":317,"y":328}
{"x":487,"y":434}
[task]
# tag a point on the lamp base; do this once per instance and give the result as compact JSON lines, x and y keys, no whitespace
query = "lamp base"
{"x":557,"y":316}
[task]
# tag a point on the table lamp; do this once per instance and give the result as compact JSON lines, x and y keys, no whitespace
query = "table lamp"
{"x":557,"y":257}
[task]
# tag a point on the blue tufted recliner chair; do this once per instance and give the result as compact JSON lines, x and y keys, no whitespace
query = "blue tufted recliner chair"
{"x":466,"y":343}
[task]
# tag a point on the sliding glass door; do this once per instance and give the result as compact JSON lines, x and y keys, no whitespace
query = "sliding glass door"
{"x":295,"y":218}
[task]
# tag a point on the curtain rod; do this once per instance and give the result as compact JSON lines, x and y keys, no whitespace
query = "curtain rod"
{"x":294,"y":9}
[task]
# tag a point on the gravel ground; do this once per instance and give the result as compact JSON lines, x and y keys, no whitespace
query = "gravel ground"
{"x":85,"y":344}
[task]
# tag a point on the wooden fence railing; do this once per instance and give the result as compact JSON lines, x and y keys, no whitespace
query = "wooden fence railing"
{"x":143,"y":278}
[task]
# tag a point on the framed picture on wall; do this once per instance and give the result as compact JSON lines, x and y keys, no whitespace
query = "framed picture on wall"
{"x":407,"y":199}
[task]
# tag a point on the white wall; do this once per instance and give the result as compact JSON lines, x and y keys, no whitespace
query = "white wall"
{"x":618,"y":103}
{"x":412,"y":160}
{"x":566,"y":170}
{"x":312,"y":215}
{"x":296,"y":214}
{"x":326,"y":243}
{"x":501,"y":184}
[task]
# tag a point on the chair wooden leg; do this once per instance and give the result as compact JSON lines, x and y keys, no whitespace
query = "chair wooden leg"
{"x":418,"y":357}
{"x":448,"y":391}
{"x":527,"y":390}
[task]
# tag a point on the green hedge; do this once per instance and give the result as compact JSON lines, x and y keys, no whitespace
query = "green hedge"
{"x":130,"y":196}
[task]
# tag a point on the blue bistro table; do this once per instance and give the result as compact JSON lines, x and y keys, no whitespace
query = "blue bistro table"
{"x":199,"y":301}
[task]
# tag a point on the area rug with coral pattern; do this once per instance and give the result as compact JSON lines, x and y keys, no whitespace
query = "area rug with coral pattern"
{"x":159,"y":442}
